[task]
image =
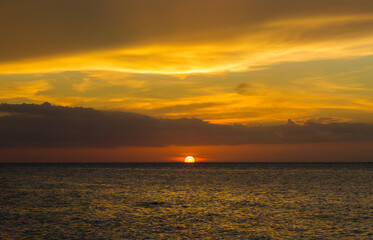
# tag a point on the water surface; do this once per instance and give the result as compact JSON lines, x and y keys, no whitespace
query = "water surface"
{"x":198,"y":201}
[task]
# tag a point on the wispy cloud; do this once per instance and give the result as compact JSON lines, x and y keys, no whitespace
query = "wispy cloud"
{"x":190,"y":37}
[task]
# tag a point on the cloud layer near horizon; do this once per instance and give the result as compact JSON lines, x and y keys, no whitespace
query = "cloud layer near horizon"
{"x":30,"y":125}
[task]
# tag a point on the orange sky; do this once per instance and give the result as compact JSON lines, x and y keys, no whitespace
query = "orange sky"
{"x":317,"y":152}
{"x":247,"y":62}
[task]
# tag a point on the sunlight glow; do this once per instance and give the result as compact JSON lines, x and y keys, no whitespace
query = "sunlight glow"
{"x":189,"y":159}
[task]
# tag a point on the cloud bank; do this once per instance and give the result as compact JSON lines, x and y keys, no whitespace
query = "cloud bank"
{"x":31,"y":125}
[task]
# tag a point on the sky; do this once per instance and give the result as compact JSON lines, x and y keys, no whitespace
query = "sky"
{"x":157,"y":80}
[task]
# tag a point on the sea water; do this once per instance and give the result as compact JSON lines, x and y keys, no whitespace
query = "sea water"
{"x":180,"y":201}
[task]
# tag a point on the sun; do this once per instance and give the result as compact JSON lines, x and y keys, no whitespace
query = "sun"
{"x":189,"y":159}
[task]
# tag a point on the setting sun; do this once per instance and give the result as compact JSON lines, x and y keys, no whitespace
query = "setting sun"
{"x":189,"y":159}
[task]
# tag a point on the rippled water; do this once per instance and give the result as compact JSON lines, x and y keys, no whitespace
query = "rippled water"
{"x":200,"y":201}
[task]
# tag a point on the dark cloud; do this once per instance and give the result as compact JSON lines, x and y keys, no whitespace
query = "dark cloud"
{"x":30,"y":125}
{"x":43,"y":27}
{"x":244,"y":89}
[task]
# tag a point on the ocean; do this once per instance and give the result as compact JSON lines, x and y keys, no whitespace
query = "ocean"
{"x":186,"y":201}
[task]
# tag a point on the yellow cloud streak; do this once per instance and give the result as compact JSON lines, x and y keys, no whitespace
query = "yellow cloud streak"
{"x":233,"y":108}
{"x":22,"y":89}
{"x":160,"y":60}
{"x":268,"y":45}
{"x":322,"y":20}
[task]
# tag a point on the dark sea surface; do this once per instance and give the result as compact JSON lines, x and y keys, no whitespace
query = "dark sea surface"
{"x":180,"y":201}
